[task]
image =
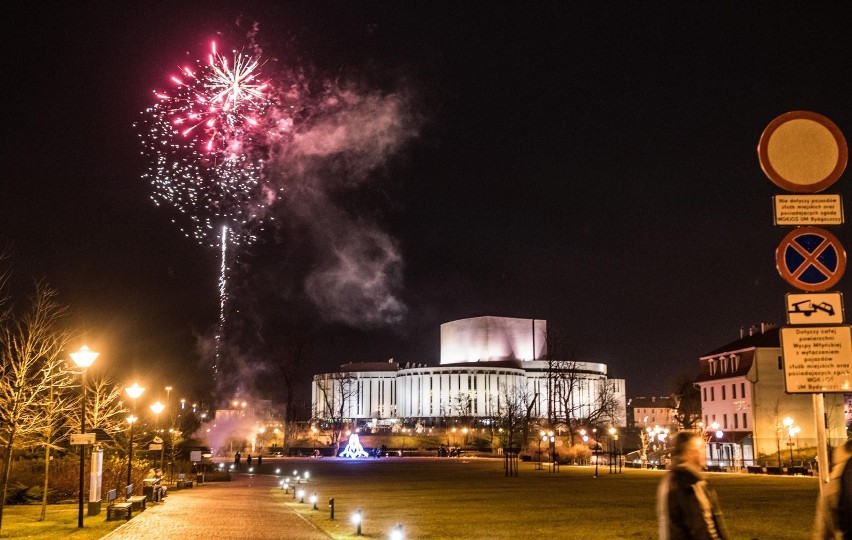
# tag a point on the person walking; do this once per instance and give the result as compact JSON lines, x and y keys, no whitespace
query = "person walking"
{"x":687,"y":507}
{"x":834,"y":507}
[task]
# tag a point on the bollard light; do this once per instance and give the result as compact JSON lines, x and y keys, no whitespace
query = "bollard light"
{"x":301,"y":495}
{"x":286,"y":487}
{"x":277,"y":471}
{"x":251,"y":469}
{"x":314,"y":500}
{"x":331,"y":507}
{"x":295,"y":472}
{"x":356,"y":519}
{"x":396,"y":533}
{"x":221,"y":465}
{"x":307,"y":475}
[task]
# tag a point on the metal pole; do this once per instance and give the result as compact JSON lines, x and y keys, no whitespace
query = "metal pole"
{"x":823,"y":466}
{"x":82,"y":454}
{"x":130,"y":453}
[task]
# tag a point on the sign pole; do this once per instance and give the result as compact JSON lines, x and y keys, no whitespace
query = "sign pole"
{"x":823,"y":466}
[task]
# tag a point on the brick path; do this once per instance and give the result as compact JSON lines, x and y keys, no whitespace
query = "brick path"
{"x":241,"y":508}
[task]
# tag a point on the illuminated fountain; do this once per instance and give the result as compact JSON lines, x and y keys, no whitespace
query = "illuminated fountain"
{"x":353,"y":448}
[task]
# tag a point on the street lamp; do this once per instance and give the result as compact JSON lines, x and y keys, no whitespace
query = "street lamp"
{"x":133,"y":392}
{"x":157,"y":408}
{"x":83,"y":359}
{"x":792,"y":431}
{"x":611,"y":448}
{"x":597,"y":446}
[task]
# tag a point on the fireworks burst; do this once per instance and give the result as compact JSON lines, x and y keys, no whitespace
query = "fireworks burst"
{"x":204,"y":139}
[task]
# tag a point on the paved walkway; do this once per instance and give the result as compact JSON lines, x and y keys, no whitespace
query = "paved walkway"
{"x":241,"y":508}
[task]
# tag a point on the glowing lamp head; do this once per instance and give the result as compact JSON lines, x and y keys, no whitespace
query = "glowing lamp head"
{"x":396,"y":533}
{"x":356,"y":517}
{"x":719,"y":434}
{"x":84,"y":357}
{"x":134,"y":391}
{"x":157,"y":407}
{"x":131,"y":419}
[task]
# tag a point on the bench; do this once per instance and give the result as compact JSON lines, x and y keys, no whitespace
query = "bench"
{"x":121,"y":509}
{"x":182,"y":482}
{"x":138,"y":501}
{"x":153,"y":490}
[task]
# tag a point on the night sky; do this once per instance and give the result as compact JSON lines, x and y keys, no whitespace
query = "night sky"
{"x":592,"y":166}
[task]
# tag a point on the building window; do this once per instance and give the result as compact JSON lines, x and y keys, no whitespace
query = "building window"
{"x":735,"y":362}
{"x":712,"y":393}
{"x":742,"y":390}
{"x":723,"y":364}
{"x":723,"y":392}
{"x":734,"y":391}
{"x":745,"y":421}
{"x":712,"y":367}
{"x":724,"y":421}
{"x":705,"y":393}
{"x":736,"y":421}
{"x":780,"y":365}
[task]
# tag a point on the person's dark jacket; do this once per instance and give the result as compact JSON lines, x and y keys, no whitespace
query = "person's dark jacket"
{"x":687,"y":507}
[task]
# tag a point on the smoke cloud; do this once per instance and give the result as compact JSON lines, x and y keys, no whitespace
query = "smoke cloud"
{"x":320,"y":170}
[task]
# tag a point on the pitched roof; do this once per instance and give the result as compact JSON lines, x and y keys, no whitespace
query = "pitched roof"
{"x":653,"y":402}
{"x":743,"y":365}
{"x":759,"y":340}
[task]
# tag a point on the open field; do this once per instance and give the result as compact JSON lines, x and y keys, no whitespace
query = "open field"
{"x":21,"y":521}
{"x":472,"y":498}
{"x":467,"y":498}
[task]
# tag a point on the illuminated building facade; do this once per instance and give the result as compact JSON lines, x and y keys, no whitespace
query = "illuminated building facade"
{"x":483,"y":360}
{"x":744,"y":404}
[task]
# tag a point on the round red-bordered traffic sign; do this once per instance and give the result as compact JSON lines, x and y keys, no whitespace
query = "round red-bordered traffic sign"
{"x":802,"y":152}
{"x":810,"y":259}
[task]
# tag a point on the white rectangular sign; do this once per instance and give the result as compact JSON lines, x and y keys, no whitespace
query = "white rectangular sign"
{"x":808,"y":209}
{"x":817,"y":359}
{"x":195,"y":455}
{"x":82,"y":438}
{"x":155,"y":446}
{"x":815,"y":308}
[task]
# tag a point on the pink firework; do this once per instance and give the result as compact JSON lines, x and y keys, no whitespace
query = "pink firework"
{"x":218,"y":103}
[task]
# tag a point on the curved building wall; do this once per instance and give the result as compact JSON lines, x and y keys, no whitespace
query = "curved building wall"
{"x":446,"y":392}
{"x":492,"y":338}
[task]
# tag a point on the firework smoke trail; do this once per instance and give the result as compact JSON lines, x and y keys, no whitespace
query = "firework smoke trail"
{"x":205,"y":139}
{"x":223,"y":289}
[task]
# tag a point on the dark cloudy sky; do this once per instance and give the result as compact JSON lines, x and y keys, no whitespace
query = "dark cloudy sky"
{"x":593,"y":166}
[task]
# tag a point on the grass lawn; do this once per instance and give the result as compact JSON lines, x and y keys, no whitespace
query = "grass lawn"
{"x":472,"y":498}
{"x":21,"y":521}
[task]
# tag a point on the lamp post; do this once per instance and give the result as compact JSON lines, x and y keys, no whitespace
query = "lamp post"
{"x":133,"y":392}
{"x":552,"y":440}
{"x":611,"y":446}
{"x":83,"y":359}
{"x":542,"y":438}
{"x":792,"y":431}
{"x":157,"y":408}
{"x":597,"y":446}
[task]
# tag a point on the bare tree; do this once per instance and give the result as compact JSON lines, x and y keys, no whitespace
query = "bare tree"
{"x":335,"y":392}
{"x":31,"y":356}
{"x":53,"y":418}
{"x":688,"y":398}
{"x":105,"y":409}
{"x":606,"y":406}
